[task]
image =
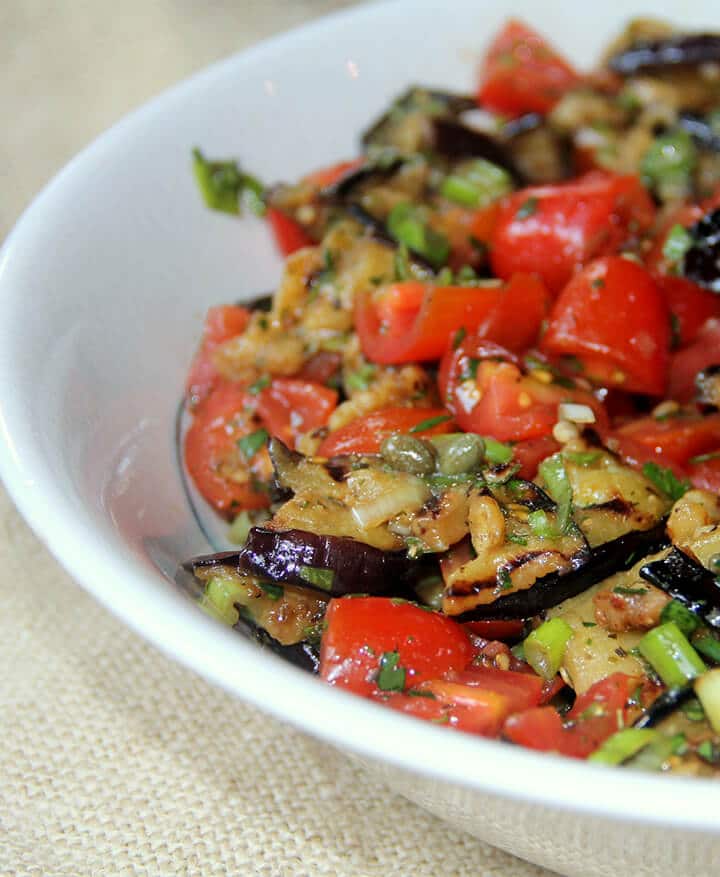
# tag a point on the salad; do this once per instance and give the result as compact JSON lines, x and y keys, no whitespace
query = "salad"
{"x":469,"y":449}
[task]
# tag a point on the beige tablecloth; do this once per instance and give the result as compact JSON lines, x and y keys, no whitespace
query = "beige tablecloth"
{"x":115,"y":761}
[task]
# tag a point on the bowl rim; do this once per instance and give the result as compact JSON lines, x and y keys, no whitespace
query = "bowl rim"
{"x":206,"y":647}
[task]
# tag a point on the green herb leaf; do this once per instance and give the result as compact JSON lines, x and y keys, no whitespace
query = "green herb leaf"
{"x":272,"y":590}
{"x":552,"y":471}
{"x":504,"y":579}
{"x":430,"y":422}
{"x":582,"y":458}
{"x":542,"y":526}
{"x":666,"y":480}
{"x":318,"y":576}
{"x":391,"y":677}
{"x":259,"y":385}
{"x":360,"y":380}
{"x":516,"y":538}
{"x":251,"y":444}
{"x":496,"y":452}
{"x":407,"y":225}
{"x":222,"y":185}
{"x":527,"y":208}
{"x":629,"y":592}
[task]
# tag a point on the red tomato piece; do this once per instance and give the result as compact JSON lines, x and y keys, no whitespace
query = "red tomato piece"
{"x":360,"y":630}
{"x":478,"y":710}
{"x":522,"y":73}
{"x":487,"y":392}
{"x":530,"y":453}
{"x":686,"y":363}
{"x":367,"y":433}
{"x":523,"y":690}
{"x":671,"y":441}
{"x":221,"y":324}
{"x":321,"y":367}
{"x":290,"y":407}
{"x":689,"y":305}
{"x":614,"y":319}
{"x":289,"y":235}
{"x":213,"y":458}
{"x":685,"y":216}
{"x":540,"y":728}
{"x":491,"y":629}
{"x":553,"y":230}
{"x":514,"y":323}
{"x":478,"y":715}
{"x":326,"y":176}
{"x":705,"y":474}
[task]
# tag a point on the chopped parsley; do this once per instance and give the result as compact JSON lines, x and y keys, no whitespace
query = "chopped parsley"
{"x":390,"y":677}
{"x":497,"y":452}
{"x":582,"y":458}
{"x":430,"y":422}
{"x":224,"y":186}
{"x":272,"y":590}
{"x":252,"y":443}
{"x":629,"y":592}
{"x":504,"y":579}
{"x":516,"y":538}
{"x":677,"y":243}
{"x":360,"y":379}
{"x":401,"y":263}
{"x":527,"y":208}
{"x":259,"y":385}
{"x":666,"y":480}
{"x":317,"y":575}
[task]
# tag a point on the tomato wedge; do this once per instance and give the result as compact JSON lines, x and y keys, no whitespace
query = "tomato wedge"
{"x":372,"y":644}
{"x":522,"y":73}
{"x":222,"y":473}
{"x":365,"y":434}
{"x":414,"y":321}
{"x":290,"y":407}
{"x":289,"y":235}
{"x":686,"y":363}
{"x":523,"y":690}
{"x":614,"y":319}
{"x":553,"y":230}
{"x":479,"y":713}
{"x":689,"y":305}
{"x":669,"y":442}
{"x":221,"y":324}
{"x":484,"y":387}
{"x":705,"y":472}
{"x":326,"y":176}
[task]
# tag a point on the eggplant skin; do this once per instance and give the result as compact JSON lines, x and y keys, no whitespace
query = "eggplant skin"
{"x":689,"y":50}
{"x":663,"y":706}
{"x":291,"y":556}
{"x":302,"y":655}
{"x":686,"y":580}
{"x":615,"y":556}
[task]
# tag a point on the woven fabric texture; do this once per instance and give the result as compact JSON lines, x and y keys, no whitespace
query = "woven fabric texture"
{"x":116,"y":761}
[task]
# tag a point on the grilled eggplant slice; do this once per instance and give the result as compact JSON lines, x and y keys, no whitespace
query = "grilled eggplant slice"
{"x":686,"y":580}
{"x":701,"y":262}
{"x":687,"y":50}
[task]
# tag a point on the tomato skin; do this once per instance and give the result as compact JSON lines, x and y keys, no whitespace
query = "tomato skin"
{"x":289,"y":235}
{"x":595,"y":716}
{"x":321,"y":367}
{"x":523,"y":690}
{"x":530,"y":453}
{"x":613,"y":317}
{"x":705,"y":475}
{"x":212,"y":455}
{"x":290,"y":407}
{"x":686,"y":363}
{"x":553,"y":230}
{"x":670,"y":442}
{"x":327,"y":176}
{"x":689,"y":304}
{"x":361,"y":629}
{"x":500,"y":400}
{"x":221,"y":324}
{"x":479,"y":713}
{"x":496,"y":630}
{"x":412,"y":321}
{"x":365,"y":434}
{"x":521,"y":73}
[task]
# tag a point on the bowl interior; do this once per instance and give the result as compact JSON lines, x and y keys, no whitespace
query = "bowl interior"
{"x":104,"y":285}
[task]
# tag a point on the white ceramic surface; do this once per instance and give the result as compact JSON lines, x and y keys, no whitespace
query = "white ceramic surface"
{"x":103,"y":285}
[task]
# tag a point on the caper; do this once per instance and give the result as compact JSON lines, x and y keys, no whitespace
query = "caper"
{"x":408,"y":454}
{"x":459,"y":453}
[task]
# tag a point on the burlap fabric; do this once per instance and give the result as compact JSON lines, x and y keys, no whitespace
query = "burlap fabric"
{"x":114,"y":760}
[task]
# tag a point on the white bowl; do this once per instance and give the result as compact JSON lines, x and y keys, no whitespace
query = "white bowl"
{"x":103,"y":286}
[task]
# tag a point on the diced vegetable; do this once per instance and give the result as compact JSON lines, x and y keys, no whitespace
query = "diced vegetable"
{"x":623,"y":745}
{"x":707,"y":688}
{"x":545,"y":647}
{"x":670,"y":654}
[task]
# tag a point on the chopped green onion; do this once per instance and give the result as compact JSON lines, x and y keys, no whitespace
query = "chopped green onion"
{"x":273,"y":591}
{"x":707,"y":688}
{"x":496,"y":452}
{"x":407,"y":226}
{"x":360,"y":380}
{"x":677,"y":243}
{"x":430,"y":422}
{"x":670,"y":655}
{"x":222,"y":185}
{"x":222,"y":592}
{"x":319,"y":576}
{"x":476,"y":183}
{"x":666,"y":480}
{"x":708,"y":751}
{"x":687,"y":621}
{"x":709,"y":647}
{"x":623,"y":745}
{"x":518,"y":650}
{"x":251,"y":444}
{"x":541,"y":525}
{"x":582,"y":458}
{"x":630,"y":592}
{"x":669,"y":163}
{"x":401,"y":263}
{"x":391,"y":677}
{"x":545,"y":647}
{"x":552,"y":471}
{"x":693,"y":711}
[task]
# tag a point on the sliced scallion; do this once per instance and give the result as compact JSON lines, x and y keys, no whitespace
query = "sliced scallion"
{"x":545,"y":647}
{"x":497,"y":452}
{"x":686,"y":620}
{"x":671,"y":656}
{"x":709,"y":647}
{"x":623,"y":745}
{"x":552,"y":471}
{"x":707,"y":688}
{"x":476,"y":183}
{"x":407,"y":226}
